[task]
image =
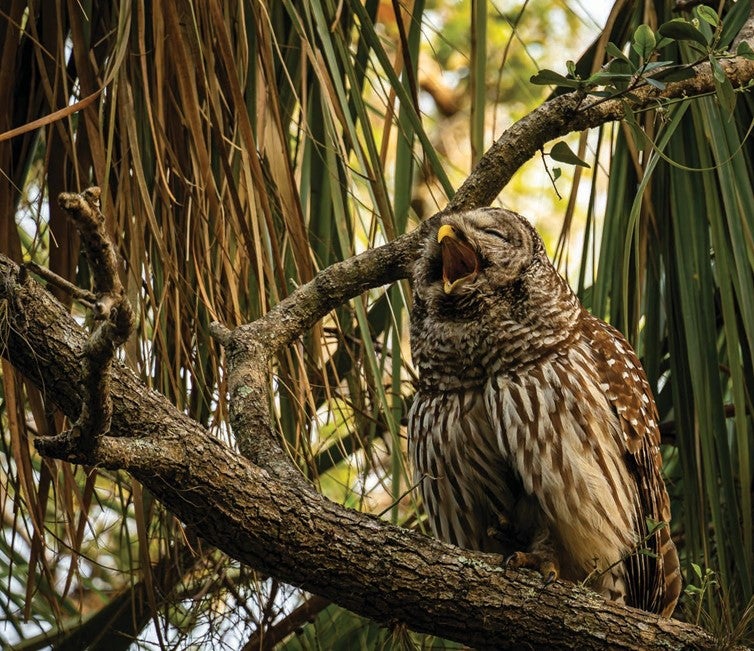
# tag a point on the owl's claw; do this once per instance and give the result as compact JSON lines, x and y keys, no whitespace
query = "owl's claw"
{"x":503,"y":532}
{"x":541,"y":563}
{"x":549,"y":572}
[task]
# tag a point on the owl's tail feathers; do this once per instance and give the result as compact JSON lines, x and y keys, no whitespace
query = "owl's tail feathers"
{"x":671,"y":569}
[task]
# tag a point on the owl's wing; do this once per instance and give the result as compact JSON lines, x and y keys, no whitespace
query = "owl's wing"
{"x":653,"y":572}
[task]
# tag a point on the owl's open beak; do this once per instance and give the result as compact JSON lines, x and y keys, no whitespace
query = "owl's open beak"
{"x":459,"y":260}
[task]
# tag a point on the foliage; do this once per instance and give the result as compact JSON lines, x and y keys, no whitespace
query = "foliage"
{"x":243,"y":145}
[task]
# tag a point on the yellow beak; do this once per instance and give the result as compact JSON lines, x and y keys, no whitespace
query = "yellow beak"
{"x":446,"y":230}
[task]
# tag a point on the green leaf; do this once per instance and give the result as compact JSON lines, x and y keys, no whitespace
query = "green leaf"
{"x":725,"y":95}
{"x":571,"y":67}
{"x":605,"y":77}
{"x":717,"y":70}
{"x":547,"y":77}
{"x":556,"y":172}
{"x":562,"y":153}
{"x":734,"y":20}
{"x":705,"y":28}
{"x":682,"y":30}
{"x":657,"y":64}
{"x":614,"y":51}
{"x":644,"y":41}
{"x":744,"y":50}
{"x":708,"y":15}
{"x":660,"y":85}
{"x":620,"y":73}
{"x":653,"y":526}
{"x":723,"y":88}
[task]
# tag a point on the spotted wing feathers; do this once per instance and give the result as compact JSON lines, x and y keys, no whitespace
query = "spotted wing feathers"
{"x":653,"y":572}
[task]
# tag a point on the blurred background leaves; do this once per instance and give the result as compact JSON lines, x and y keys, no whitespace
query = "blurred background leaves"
{"x":243,"y":145}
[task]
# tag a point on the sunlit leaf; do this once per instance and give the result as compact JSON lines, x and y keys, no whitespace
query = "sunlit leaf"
{"x":707,"y":14}
{"x":644,"y":41}
{"x":614,"y":51}
{"x":547,"y":77}
{"x":660,"y":85}
{"x":562,"y":153}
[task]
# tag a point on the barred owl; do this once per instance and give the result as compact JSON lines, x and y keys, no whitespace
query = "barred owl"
{"x":533,"y":431}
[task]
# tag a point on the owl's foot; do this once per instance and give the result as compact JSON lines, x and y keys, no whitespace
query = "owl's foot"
{"x":503,"y":532}
{"x":543,"y":563}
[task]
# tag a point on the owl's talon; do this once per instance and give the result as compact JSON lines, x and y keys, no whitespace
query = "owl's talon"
{"x":515,"y":560}
{"x":549,"y":572}
{"x":542,"y":564}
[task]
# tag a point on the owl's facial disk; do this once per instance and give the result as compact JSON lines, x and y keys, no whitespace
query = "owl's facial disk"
{"x":460,"y":263}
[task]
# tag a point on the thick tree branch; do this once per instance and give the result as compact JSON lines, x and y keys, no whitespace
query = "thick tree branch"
{"x":289,"y":531}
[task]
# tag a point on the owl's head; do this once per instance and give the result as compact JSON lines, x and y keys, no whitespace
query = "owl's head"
{"x":482,"y":252}
{"x":485,"y":294}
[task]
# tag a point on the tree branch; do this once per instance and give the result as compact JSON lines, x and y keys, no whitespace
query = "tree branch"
{"x":291,"y":532}
{"x":115,"y":321}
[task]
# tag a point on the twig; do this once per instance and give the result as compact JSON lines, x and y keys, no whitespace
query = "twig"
{"x":267,"y":639}
{"x":113,"y":311}
{"x":549,"y":174}
{"x":83,"y":296}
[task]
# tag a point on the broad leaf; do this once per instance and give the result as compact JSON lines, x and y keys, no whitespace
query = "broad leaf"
{"x":682,"y":30}
{"x":614,"y":51}
{"x":547,"y":77}
{"x":562,"y":153}
{"x":644,"y":41}
{"x":708,"y":15}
